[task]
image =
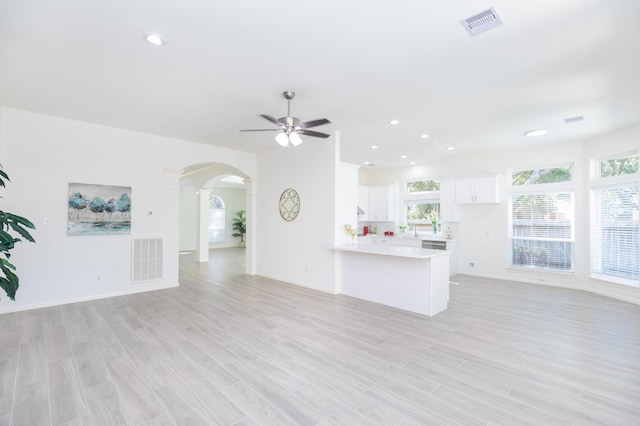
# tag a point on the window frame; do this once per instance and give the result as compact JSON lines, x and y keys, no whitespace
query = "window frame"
{"x":423,"y":197}
{"x":421,"y":194}
{"x":542,"y":186}
{"x":599,"y":183}
{"x":541,"y":189}
{"x":597,"y":168}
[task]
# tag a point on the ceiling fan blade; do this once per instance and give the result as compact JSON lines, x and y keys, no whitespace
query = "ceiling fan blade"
{"x":271,"y":119}
{"x":314,"y":134}
{"x":259,"y":130}
{"x":314,"y":123}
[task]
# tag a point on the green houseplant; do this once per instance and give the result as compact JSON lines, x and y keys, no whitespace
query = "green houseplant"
{"x":239,"y":225}
{"x":12,"y":227}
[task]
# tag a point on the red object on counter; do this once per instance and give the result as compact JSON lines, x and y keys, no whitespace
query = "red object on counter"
{"x":366,"y":230}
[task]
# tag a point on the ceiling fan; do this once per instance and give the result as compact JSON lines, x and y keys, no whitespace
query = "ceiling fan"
{"x":290,"y":128}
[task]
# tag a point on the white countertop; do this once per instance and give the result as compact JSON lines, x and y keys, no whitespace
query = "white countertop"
{"x":389,"y":250}
{"x":400,"y":236}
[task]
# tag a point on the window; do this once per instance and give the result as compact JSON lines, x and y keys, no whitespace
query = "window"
{"x":615,"y":220}
{"x":619,"y":166}
{"x":541,"y":223}
{"x":542,"y":231}
{"x":418,"y":213}
{"x":421,"y":200}
{"x":614,"y":232}
{"x":428,"y":185}
{"x":540,"y":176}
{"x":216,"y":219}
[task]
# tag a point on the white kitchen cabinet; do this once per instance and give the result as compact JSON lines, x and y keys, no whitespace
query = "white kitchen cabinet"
{"x":477,"y":190}
{"x":454,"y":247}
{"x":448,"y":206}
{"x":408,"y":242}
{"x":381,"y":203}
{"x":363,"y":202}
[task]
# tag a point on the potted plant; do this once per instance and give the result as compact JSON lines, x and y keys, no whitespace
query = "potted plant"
{"x":239,"y":226}
{"x":11,"y":226}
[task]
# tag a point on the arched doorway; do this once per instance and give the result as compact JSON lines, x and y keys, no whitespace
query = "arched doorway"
{"x":197,"y":183}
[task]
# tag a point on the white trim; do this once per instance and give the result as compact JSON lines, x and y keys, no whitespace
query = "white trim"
{"x":547,"y":272}
{"x":612,"y":279}
{"x":137,"y":289}
{"x":554,"y":284}
{"x":296,"y":283}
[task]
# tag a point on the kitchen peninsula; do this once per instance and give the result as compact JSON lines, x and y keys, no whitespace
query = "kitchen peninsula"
{"x":409,"y":278}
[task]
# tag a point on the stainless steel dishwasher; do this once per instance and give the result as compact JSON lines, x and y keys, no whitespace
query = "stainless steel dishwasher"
{"x":434,"y":244}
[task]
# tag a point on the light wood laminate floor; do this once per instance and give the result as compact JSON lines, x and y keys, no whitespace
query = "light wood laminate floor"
{"x":231,"y":349}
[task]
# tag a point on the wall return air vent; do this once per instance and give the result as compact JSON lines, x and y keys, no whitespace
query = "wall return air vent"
{"x":482,"y":22}
{"x":146,"y":259}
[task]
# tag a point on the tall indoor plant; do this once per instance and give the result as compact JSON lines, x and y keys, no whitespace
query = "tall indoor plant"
{"x":11,"y":227}
{"x":239,"y":225}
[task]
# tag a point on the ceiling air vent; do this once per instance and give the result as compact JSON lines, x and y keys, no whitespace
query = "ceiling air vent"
{"x":575,"y":119}
{"x":482,"y":22}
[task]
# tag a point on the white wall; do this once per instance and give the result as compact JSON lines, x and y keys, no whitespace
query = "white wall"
{"x":299,"y":251}
{"x":484,"y":228}
{"x":43,"y":154}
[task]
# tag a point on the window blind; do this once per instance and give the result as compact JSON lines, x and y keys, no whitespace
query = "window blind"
{"x":614,"y":232}
{"x":542,"y":230}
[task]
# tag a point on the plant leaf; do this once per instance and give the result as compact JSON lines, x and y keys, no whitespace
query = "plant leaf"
{"x":21,"y":220}
{"x":10,"y":282}
{"x":20,"y":230}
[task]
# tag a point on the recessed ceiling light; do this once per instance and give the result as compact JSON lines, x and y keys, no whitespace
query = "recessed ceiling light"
{"x":403,"y":156}
{"x":412,"y":163}
{"x":538,"y":132}
{"x":451,"y":148}
{"x":155,"y":39}
{"x":394,"y":122}
{"x":374,"y":146}
{"x":424,"y":136}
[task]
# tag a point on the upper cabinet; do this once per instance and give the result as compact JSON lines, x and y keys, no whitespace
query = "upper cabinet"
{"x":378,"y":203}
{"x":363,"y":202}
{"x":477,"y":190}
{"x":448,"y":206}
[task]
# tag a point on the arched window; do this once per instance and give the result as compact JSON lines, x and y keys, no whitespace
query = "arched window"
{"x":216,"y":219}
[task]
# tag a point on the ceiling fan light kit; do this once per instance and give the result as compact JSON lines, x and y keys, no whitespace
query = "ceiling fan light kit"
{"x":290,"y":128}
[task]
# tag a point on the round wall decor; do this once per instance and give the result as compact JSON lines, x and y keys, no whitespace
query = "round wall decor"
{"x":289,"y":204}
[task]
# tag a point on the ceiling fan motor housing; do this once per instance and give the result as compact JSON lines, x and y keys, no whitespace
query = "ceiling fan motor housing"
{"x":288,"y":122}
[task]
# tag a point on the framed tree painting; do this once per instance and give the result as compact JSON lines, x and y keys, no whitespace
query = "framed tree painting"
{"x":99,"y":209}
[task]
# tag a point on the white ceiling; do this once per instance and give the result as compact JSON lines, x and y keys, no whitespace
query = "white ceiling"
{"x":358,"y":63}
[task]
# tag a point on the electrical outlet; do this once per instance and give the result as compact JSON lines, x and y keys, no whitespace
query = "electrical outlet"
{"x":472,"y":264}
{"x":97,"y":277}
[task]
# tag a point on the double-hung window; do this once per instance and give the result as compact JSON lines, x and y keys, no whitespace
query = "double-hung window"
{"x":421,"y":203}
{"x":615,"y":219}
{"x":541,"y":219}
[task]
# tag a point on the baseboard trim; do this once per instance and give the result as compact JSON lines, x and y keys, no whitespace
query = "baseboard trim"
{"x":555,"y":284}
{"x":138,"y":289}
{"x":299,"y":284}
